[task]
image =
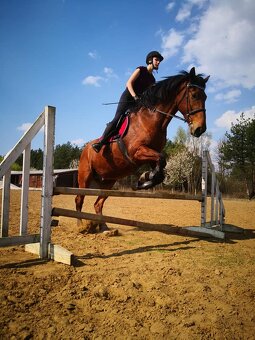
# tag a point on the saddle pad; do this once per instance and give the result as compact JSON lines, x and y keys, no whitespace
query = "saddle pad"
{"x":122,"y":129}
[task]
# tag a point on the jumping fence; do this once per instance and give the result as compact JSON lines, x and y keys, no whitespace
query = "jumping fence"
{"x":41,"y":243}
{"x":217,"y":209}
{"x":42,"y":240}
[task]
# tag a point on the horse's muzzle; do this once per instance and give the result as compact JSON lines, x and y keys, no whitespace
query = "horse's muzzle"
{"x":197,"y":132}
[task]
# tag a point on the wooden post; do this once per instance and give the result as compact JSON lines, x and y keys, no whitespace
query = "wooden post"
{"x":5,"y":203}
{"x":222,"y":211}
{"x":217,"y":221}
{"x":47,"y":185}
{"x":25,"y":190}
{"x":212,"y":196}
{"x":204,"y":189}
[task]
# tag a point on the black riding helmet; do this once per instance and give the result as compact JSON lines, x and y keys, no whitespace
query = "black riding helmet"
{"x":153,"y":54}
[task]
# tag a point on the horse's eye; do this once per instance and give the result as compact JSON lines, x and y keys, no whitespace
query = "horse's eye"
{"x":195,"y":96}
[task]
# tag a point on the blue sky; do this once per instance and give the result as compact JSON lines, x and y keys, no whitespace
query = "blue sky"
{"x":77,"y":54}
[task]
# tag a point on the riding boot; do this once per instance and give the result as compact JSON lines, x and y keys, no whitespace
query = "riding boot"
{"x":108,"y":132}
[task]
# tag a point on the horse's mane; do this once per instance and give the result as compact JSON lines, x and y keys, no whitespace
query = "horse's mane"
{"x":164,"y":90}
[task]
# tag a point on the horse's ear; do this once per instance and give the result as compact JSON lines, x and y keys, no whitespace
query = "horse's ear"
{"x":206,"y":79}
{"x":192,"y":72}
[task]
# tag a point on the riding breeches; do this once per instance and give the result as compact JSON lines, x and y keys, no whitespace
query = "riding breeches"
{"x":125,"y":102}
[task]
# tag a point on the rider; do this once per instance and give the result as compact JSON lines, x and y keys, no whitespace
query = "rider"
{"x":139,"y":81}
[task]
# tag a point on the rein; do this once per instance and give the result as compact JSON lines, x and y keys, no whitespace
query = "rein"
{"x":168,"y":114}
{"x":189,"y":113}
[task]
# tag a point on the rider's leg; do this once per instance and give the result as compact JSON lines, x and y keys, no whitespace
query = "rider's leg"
{"x":124,"y":103}
{"x":108,"y":132}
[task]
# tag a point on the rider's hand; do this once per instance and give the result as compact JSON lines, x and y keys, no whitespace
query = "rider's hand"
{"x":136,"y":98}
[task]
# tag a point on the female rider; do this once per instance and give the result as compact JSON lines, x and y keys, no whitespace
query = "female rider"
{"x":139,"y":81}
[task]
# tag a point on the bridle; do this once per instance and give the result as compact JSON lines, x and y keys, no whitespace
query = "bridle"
{"x":189,"y":113}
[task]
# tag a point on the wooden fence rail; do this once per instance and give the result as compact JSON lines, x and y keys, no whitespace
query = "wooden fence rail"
{"x":118,"y":193}
{"x":188,"y":231}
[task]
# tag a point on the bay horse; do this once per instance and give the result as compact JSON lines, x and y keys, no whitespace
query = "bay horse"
{"x":146,"y":136}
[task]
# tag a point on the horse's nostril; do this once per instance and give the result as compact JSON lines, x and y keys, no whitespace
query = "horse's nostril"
{"x":198,"y":132}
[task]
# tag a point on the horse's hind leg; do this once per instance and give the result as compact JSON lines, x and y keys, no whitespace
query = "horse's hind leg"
{"x":79,"y":199}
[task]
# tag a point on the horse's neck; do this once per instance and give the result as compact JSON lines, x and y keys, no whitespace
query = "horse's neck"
{"x":162,"y":115}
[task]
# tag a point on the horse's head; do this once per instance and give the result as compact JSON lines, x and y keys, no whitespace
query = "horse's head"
{"x":190,"y":102}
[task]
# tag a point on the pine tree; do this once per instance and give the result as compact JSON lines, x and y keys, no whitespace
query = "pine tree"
{"x":237,"y":152}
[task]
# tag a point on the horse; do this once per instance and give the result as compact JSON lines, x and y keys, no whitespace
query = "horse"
{"x":145,"y":138}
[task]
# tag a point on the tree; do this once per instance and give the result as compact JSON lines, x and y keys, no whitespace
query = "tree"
{"x":191,"y":147}
{"x":168,"y":148}
{"x":196,"y":147}
{"x":179,"y":169}
{"x":237,"y":152}
{"x":15,"y":166}
{"x":36,"y":159}
{"x":65,"y":155}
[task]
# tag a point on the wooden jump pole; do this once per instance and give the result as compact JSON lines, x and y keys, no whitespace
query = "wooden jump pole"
{"x":118,"y":193}
{"x":185,"y":231}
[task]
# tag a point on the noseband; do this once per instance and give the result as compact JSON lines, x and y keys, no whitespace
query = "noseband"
{"x":189,"y":113}
{"x":186,"y":94}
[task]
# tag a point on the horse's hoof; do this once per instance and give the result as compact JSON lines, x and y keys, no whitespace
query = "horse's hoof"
{"x":103,"y":228}
{"x":79,"y":223}
{"x":145,"y":185}
{"x":113,"y":232}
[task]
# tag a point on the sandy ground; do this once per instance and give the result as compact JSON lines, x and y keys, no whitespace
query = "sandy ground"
{"x":138,"y":285}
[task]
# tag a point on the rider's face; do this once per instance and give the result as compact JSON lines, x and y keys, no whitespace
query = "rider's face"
{"x":155,"y":63}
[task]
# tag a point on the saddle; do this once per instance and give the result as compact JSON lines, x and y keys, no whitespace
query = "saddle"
{"x":121,"y":129}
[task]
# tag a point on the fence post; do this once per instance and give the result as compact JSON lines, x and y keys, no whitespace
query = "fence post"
{"x":212,"y":194}
{"x":25,"y":190}
{"x":5,"y":204}
{"x":204,"y":189}
{"x":47,"y":185}
{"x":217,"y":221}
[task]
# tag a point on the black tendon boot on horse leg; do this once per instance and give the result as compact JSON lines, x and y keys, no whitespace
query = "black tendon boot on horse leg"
{"x":151,"y":178}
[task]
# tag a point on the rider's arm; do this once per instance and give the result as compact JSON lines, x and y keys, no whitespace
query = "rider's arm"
{"x":131,"y":81}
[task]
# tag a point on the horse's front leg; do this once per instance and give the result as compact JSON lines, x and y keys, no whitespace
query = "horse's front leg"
{"x":156,"y":175}
{"x":98,"y":205}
